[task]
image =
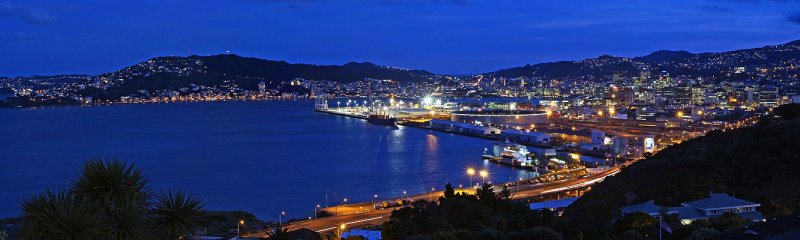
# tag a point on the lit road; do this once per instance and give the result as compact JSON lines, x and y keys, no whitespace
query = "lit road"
{"x":361,"y":214}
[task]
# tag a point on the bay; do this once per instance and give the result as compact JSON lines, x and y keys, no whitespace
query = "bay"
{"x":258,"y":156}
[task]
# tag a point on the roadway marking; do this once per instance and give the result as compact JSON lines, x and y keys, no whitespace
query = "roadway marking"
{"x":348,"y":223}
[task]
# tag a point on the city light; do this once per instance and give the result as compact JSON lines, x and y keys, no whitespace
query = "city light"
{"x":427,"y":101}
{"x":484,"y":174}
{"x":575,"y":134}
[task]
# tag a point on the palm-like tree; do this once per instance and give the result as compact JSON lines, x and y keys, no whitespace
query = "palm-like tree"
{"x":276,"y":232}
{"x":175,"y":212}
{"x":57,"y":214}
{"x":109,"y":199}
{"x":109,"y":184}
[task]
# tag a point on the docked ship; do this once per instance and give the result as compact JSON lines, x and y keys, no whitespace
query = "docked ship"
{"x":382,"y":119}
{"x":517,"y":155}
{"x":511,"y":154}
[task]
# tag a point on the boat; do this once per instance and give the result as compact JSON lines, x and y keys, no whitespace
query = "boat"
{"x":510,"y":153}
{"x":382,"y":119}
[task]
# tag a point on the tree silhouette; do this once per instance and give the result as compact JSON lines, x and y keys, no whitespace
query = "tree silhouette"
{"x":109,"y":199}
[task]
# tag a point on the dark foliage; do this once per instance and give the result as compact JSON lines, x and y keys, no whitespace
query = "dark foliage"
{"x":485,"y":215}
{"x":758,"y":164}
{"x":109,"y":199}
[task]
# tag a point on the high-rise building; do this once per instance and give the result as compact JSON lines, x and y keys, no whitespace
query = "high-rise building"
{"x":616,"y":78}
{"x":768,"y":96}
{"x":698,"y":94}
{"x":663,"y":81}
{"x":262,"y":87}
{"x":644,"y":78}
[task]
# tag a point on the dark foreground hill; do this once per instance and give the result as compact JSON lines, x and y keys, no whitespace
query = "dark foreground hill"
{"x":759,"y":164}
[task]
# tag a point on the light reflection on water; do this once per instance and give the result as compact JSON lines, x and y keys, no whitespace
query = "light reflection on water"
{"x":261,"y":157}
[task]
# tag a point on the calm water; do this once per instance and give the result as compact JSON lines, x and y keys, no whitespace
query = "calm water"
{"x":261,"y":157}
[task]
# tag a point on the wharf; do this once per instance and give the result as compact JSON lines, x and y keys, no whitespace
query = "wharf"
{"x":422,"y":125}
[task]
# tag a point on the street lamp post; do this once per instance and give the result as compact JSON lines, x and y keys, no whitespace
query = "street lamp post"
{"x":340,"y":230}
{"x":483,"y":174}
{"x":280,"y":218}
{"x":374,"y":198}
{"x":241,"y":222}
{"x":316,"y":209}
{"x":470,"y":172}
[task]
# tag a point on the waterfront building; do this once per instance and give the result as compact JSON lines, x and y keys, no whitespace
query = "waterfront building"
{"x":574,"y":136}
{"x":461,"y":127}
{"x":524,"y":136}
{"x":499,"y":117}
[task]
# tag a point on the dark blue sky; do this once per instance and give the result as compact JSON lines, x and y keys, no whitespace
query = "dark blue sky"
{"x":443,"y":36}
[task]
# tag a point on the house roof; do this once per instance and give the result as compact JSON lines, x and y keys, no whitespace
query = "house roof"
{"x":367,"y":234}
{"x":554,"y":204}
{"x":461,"y":124}
{"x":687,"y":212}
{"x":648,"y":207}
{"x":524,"y":133}
{"x":718,"y":201}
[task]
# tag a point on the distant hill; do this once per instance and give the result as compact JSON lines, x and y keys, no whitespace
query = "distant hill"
{"x":171,"y":73}
{"x":664,"y":55}
{"x":596,"y":67}
{"x":710,"y":65}
{"x":280,"y":70}
{"x":758,"y":164}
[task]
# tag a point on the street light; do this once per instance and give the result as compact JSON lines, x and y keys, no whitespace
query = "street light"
{"x":483,"y":174}
{"x":280,"y":218}
{"x":316,"y":209}
{"x":340,"y":229}
{"x":241,"y":222}
{"x":470,"y":172}
{"x":375,"y":197}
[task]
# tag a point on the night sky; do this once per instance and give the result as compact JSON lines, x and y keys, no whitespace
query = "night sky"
{"x":444,"y":36}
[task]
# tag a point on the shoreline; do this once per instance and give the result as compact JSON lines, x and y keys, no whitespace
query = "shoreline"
{"x":148,"y":103}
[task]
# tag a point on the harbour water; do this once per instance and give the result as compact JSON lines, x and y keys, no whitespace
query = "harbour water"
{"x":263,"y":157}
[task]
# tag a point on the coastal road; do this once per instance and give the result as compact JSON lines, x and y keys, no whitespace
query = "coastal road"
{"x":362,"y":215}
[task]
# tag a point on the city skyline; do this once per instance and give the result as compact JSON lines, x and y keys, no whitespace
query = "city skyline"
{"x":447,"y":37}
{"x":400,"y":119}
